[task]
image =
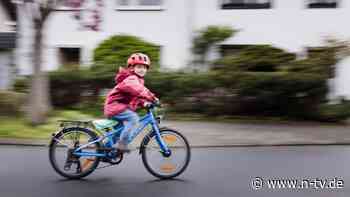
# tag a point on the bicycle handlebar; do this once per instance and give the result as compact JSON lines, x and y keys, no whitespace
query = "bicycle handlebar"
{"x":157,"y":103}
{"x":154,"y":104}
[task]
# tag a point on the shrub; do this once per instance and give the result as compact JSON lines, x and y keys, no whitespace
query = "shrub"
{"x":260,"y":58}
{"x":334,"y":112}
{"x":174,"y":85}
{"x":324,"y":65}
{"x":273,"y":94}
{"x":11,"y":103}
{"x":281,"y":94}
{"x":207,"y":37}
{"x":66,"y":87}
{"x":259,"y":81}
{"x":114,"y":51}
{"x":21,"y":84}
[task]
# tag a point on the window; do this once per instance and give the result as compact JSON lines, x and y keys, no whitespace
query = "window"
{"x":246,"y":4}
{"x":140,"y":5}
{"x":69,"y":56}
{"x":322,"y":4}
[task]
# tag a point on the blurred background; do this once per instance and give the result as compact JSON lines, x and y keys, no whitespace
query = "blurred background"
{"x":212,"y":60}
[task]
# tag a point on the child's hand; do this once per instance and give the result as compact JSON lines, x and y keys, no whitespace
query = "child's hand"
{"x":157,"y":102}
{"x":146,"y":104}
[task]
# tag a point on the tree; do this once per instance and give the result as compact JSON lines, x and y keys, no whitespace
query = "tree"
{"x":206,"y":38}
{"x":38,"y":12}
{"x":113,"y":52}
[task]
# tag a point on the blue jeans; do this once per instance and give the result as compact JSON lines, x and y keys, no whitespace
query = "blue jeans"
{"x":130,"y":120}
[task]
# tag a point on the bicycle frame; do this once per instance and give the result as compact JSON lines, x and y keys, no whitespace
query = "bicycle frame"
{"x":144,"y":121}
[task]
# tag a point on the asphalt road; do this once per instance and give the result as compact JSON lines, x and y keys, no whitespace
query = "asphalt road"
{"x":220,"y":172}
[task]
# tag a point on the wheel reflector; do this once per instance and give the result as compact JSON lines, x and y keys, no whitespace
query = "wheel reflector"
{"x":86,"y":163}
{"x":167,"y":167}
{"x":169,"y":139}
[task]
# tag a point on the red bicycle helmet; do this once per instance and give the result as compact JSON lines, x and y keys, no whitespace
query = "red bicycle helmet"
{"x":139,"y":58}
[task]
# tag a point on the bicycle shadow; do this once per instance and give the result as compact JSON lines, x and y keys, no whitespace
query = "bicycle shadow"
{"x":168,"y":180}
{"x":124,"y":186}
{"x":111,"y":179}
{"x":85,"y":180}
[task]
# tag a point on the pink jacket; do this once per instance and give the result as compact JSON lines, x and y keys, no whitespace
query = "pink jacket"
{"x":129,"y":92}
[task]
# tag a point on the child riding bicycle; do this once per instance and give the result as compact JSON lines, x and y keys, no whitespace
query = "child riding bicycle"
{"x":129,"y":94}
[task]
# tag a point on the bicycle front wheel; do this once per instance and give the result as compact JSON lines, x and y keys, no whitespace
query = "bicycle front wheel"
{"x":61,"y":149}
{"x":166,"y":166}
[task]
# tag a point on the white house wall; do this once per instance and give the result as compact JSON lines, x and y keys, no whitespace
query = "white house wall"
{"x":24,"y":52}
{"x":5,"y":55}
{"x":5,"y":70}
{"x":288,"y":25}
{"x":167,"y":28}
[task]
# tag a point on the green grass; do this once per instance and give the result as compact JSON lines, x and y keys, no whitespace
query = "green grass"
{"x":20,"y":128}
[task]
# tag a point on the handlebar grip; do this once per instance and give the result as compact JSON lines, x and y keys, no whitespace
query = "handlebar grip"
{"x":157,"y":103}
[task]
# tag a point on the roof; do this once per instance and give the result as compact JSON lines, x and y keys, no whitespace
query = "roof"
{"x":7,"y":40}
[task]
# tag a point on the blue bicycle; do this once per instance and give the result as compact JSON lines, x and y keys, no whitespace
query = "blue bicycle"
{"x":76,"y":150}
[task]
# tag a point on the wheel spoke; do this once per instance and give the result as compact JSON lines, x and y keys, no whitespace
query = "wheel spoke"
{"x":153,"y":148}
{"x":62,"y":143}
{"x":167,"y":166}
{"x":78,"y":167}
{"x":68,"y":164}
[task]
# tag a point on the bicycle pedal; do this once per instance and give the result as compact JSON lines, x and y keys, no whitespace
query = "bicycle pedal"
{"x":113,"y":161}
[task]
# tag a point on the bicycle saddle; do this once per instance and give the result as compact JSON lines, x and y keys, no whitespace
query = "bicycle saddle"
{"x":102,"y":124}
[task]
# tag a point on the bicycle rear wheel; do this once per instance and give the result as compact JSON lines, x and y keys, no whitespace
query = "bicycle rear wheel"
{"x":166,"y":166}
{"x":61,"y":149}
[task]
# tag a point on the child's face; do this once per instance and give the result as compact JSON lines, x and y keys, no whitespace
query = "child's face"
{"x":140,"y":69}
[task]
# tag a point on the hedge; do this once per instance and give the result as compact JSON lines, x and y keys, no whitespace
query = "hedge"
{"x":11,"y":103}
{"x":257,"y":58}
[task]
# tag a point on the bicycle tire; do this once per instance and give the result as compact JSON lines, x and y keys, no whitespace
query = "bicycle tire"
{"x":53,"y":144}
{"x":146,"y":163}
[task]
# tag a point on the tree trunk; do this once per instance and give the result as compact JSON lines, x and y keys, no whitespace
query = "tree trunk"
{"x":39,"y":99}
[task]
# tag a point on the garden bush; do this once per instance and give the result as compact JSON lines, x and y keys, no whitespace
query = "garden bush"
{"x":334,"y":112}
{"x":257,"y":81}
{"x":259,"y":58}
{"x":273,"y":94}
{"x":11,"y":103}
{"x":114,"y":51}
{"x":287,"y":94}
{"x":66,"y":87}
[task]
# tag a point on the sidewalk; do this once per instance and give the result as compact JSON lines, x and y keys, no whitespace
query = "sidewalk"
{"x":250,"y":134}
{"x":214,"y":134}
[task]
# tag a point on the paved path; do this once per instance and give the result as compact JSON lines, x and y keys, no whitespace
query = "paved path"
{"x":218,"y":134}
